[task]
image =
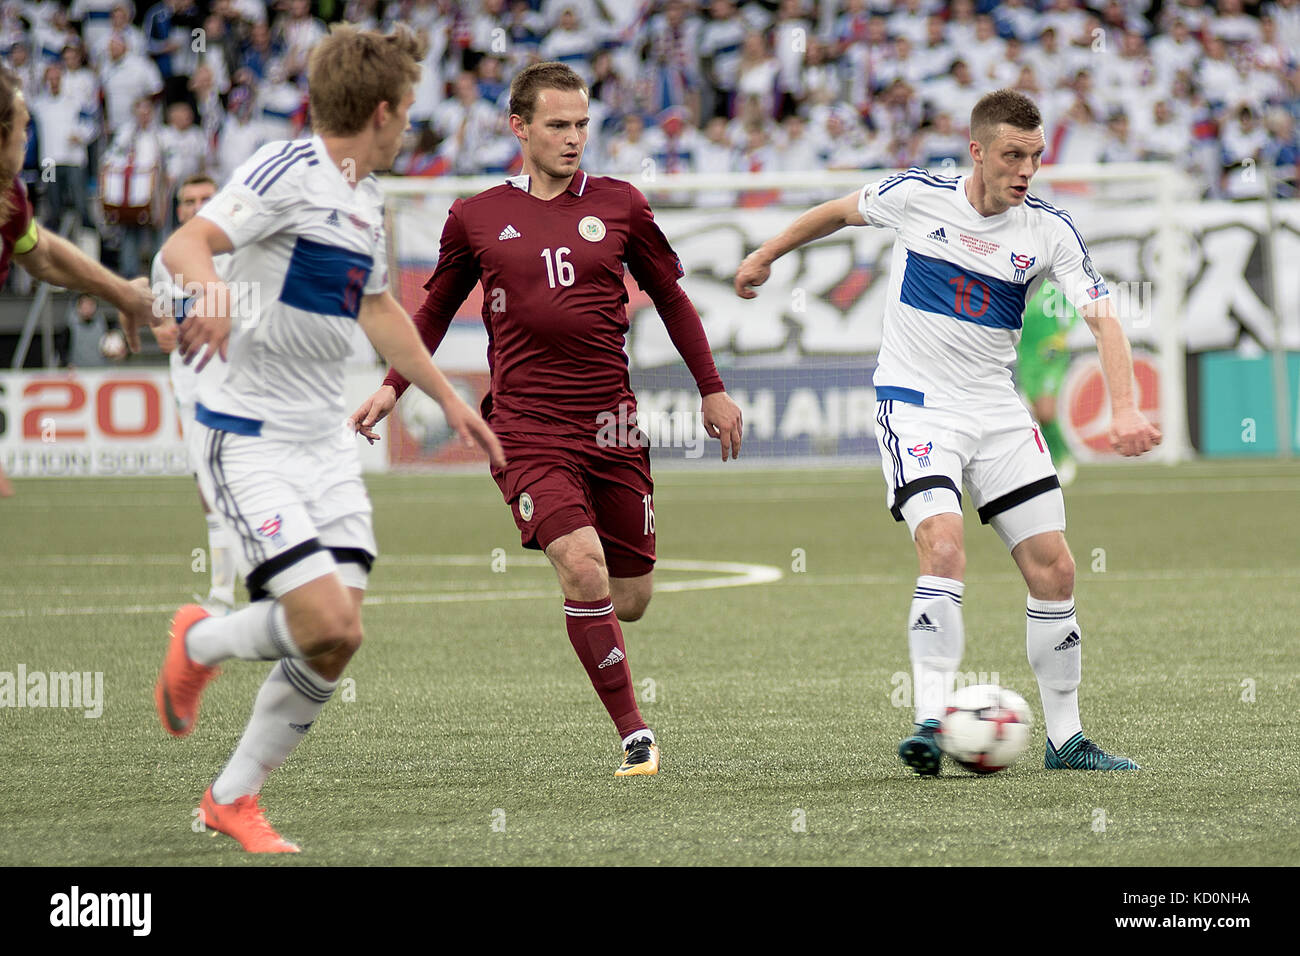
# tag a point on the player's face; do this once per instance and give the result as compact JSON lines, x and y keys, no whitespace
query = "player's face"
{"x":1009,"y":162}
{"x":16,"y":147}
{"x":388,"y":143}
{"x":192,"y":198}
{"x":557,"y":135}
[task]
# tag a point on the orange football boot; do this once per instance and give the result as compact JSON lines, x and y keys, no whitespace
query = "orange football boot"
{"x":181,"y":681}
{"x":246,"y":822}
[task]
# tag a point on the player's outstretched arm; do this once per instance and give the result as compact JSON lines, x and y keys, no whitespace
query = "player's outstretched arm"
{"x":1130,"y":433}
{"x":817,"y":222}
{"x":188,"y":256}
{"x":57,"y":261}
{"x":390,"y":331}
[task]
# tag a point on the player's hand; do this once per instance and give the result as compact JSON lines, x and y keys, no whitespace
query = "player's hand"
{"x":1131,"y":434}
{"x":372,"y":411}
{"x":136,"y":311}
{"x":167,"y":335}
{"x":207,"y":328}
{"x":471,"y":428}
{"x":752,"y":272}
{"x":722,"y":421}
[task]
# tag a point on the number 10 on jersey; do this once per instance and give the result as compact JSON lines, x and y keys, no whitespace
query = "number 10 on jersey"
{"x":558,"y":267}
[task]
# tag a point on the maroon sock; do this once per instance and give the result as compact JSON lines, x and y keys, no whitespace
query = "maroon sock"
{"x":598,"y":641}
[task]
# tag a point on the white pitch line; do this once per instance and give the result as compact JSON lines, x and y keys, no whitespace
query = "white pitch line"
{"x":728,"y":574}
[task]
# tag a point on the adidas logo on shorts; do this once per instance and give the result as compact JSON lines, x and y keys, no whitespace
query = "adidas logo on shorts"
{"x":509,"y":232}
{"x":614,"y":657}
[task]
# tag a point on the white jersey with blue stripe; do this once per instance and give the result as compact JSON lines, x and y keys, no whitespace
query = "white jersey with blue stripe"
{"x":307,"y":247}
{"x":958,"y":286}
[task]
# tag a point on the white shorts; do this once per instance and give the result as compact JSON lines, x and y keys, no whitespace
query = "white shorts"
{"x":299,"y":509}
{"x":996,"y":451}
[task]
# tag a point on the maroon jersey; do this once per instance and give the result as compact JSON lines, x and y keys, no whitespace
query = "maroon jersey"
{"x":555,"y":302}
{"x":17,"y":231}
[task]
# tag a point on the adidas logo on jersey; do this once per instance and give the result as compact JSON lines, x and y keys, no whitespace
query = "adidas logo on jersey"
{"x":923,"y":623}
{"x":333,"y":218}
{"x":1069,"y":642}
{"x":938,"y":236}
{"x":509,"y":232}
{"x":614,"y":657}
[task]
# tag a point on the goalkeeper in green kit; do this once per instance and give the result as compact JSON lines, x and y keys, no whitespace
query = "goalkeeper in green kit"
{"x":1040,"y":370}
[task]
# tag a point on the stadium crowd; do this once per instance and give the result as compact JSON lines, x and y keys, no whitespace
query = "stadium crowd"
{"x":128,"y":101}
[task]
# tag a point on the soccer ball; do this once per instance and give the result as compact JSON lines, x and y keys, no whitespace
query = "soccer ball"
{"x":984,"y":727}
{"x":113,"y":345}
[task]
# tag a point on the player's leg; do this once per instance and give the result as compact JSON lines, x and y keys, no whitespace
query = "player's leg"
{"x":1018,"y":493}
{"x":595,"y":634}
{"x":222,"y":544}
{"x":622,"y":497}
{"x":631,"y":596}
{"x":921,"y":454}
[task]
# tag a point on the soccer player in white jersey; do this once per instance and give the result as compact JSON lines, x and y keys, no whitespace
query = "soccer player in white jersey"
{"x":192,"y":196}
{"x":303,"y":222}
{"x":970,"y":251}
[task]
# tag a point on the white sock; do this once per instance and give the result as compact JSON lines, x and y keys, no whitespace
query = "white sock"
{"x":222,"y":558}
{"x":637,"y":735}
{"x":287,"y":705}
{"x":258,"y":632}
{"x":936,"y":638}
{"x":1053,"y":641}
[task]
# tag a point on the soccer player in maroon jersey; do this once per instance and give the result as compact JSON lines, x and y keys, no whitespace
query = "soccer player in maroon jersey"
{"x":549,"y":247}
{"x":45,"y":255}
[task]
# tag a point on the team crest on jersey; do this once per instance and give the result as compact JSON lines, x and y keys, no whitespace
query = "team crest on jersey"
{"x":922,"y":453}
{"x":526,"y":506}
{"x":270,"y":528}
{"x":591,"y":229}
{"x":1021,"y":265}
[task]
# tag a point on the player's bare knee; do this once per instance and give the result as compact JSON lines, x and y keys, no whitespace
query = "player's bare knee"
{"x":1060,"y":576}
{"x":333,"y":630}
{"x":942,"y":556}
{"x":585,"y":573}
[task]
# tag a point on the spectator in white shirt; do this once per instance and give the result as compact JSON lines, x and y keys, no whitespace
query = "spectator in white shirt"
{"x":1164,"y":138}
{"x":136,"y":145}
{"x":1119,"y":144}
{"x":468,"y":124}
{"x":298,"y":31}
{"x":96,"y":21}
{"x":185,"y":148}
{"x":1217,"y":74}
{"x":125,"y":77}
{"x":572,"y":42}
{"x":66,"y":128}
{"x":119,"y":25}
{"x":757,"y":73}
{"x":716,"y":155}
{"x":242,"y":134}
{"x":1174,"y":50}
{"x":22,"y":65}
{"x":721,"y":39}
{"x":627,"y":155}
{"x":1232,"y":25}
{"x":1017,"y":18}
{"x":1245,"y":143}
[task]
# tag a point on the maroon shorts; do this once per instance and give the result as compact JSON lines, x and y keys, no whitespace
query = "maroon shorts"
{"x":555,"y":486}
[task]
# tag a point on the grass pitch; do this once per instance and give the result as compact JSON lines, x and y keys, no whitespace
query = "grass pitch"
{"x":470,"y":735}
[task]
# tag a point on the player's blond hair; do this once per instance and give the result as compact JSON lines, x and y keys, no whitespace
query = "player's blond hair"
{"x":352,"y":71}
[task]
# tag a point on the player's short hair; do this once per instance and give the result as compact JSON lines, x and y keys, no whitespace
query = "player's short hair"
{"x":352,"y":71}
{"x":530,"y":81}
{"x":198,"y":179}
{"x":1002,"y":106}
